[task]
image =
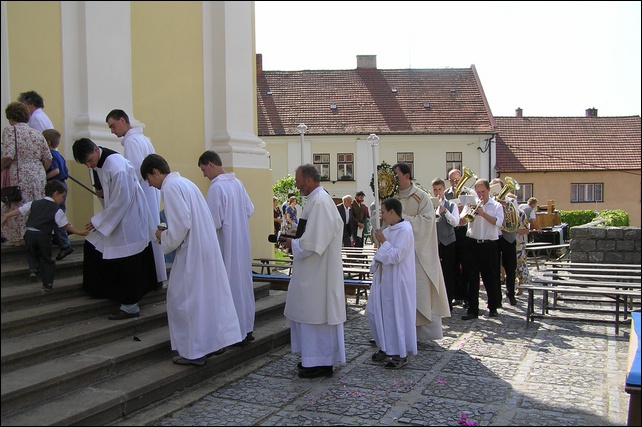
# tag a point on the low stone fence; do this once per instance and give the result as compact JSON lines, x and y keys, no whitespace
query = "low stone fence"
{"x":614,"y":245}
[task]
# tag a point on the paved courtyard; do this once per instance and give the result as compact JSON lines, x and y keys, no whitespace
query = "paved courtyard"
{"x":492,"y":371}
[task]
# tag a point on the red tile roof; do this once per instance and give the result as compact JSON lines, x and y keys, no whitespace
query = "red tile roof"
{"x":367,"y":103}
{"x":531,"y":144}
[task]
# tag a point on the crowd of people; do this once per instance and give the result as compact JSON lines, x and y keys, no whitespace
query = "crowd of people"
{"x":431,"y":248}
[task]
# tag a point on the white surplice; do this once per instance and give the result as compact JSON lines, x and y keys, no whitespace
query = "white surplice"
{"x":200,"y":309}
{"x":231,"y":210}
{"x":392,"y":302}
{"x":136,"y":147}
{"x":315,"y":303}
{"x":432,"y":299}
{"x":123,"y":227}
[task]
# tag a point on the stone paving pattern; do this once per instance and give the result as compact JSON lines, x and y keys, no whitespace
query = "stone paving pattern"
{"x":496,"y":371}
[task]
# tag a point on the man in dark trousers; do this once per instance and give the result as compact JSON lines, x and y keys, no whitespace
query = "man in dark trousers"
{"x":358,"y":215}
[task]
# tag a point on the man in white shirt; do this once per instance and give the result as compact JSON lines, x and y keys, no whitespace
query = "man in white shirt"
{"x":483,"y":253}
{"x":38,"y":119}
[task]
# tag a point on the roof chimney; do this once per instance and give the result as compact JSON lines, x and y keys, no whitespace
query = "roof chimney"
{"x":367,"y":61}
{"x":518,"y":112}
{"x":259,"y":65}
{"x":591,"y":112}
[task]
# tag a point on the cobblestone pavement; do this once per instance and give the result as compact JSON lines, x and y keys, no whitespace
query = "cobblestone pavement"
{"x":493,"y":371}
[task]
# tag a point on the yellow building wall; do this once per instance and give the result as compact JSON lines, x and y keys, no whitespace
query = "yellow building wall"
{"x":167,"y":52}
{"x":167,"y":94}
{"x":621,"y":190}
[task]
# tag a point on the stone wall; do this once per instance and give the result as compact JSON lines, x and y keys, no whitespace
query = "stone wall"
{"x":612,"y":245}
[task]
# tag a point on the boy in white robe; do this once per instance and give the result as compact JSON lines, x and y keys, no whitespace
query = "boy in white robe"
{"x":136,"y":147}
{"x":231,"y":210}
{"x":200,"y":310}
{"x":315,"y":302}
{"x":432,"y":298}
{"x":391,"y":308}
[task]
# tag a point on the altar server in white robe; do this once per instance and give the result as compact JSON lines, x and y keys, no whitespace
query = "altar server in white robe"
{"x":391,"y":308}
{"x":315,"y":304}
{"x":432,"y":298}
{"x":118,"y":257}
{"x":200,"y":309}
{"x":136,"y":147}
{"x":231,"y":210}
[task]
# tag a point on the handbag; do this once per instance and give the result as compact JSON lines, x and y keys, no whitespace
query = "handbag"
{"x":11,"y":193}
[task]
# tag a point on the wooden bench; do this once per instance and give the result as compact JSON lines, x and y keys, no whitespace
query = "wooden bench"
{"x":594,"y":265}
{"x":620,"y":292}
{"x":267,"y":264}
{"x":562,"y":274}
{"x":632,"y":384}
{"x":281,"y":283}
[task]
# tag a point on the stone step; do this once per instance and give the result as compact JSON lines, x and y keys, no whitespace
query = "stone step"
{"x":46,"y":316}
{"x":104,"y":401}
{"x":64,"y":362}
{"x":29,"y":349}
{"x":11,"y":254}
{"x":31,"y":294}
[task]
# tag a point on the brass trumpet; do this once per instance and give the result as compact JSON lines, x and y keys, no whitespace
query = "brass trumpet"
{"x":472,"y":214}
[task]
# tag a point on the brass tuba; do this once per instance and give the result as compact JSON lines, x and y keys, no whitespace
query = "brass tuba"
{"x":511,"y":215}
{"x":460,"y":184}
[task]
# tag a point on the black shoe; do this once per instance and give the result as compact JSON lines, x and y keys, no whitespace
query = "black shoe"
{"x":47,"y":286}
{"x":469,"y":316}
{"x":244,"y":342}
{"x":465,"y":305}
{"x":249,"y":337}
{"x":493,"y":313}
{"x":121,"y":315}
{"x":315,"y":372}
{"x":457,"y":302}
{"x":33,"y":276}
{"x":512,"y":300}
{"x":219,"y":352}
{"x":179,"y":360}
{"x":64,"y":252}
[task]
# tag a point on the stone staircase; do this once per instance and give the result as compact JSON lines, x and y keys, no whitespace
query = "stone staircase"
{"x":65,"y":363}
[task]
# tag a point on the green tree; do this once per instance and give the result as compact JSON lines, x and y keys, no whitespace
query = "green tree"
{"x":284,"y":186}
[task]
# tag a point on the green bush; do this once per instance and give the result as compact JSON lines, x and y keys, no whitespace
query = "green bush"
{"x":614,"y":218}
{"x":577,"y":217}
{"x":284,"y":186}
{"x":611,"y":218}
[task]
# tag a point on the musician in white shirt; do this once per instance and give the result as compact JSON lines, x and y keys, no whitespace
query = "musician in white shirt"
{"x":482,"y":256}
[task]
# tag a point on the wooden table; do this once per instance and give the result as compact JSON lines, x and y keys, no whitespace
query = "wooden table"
{"x":535,"y":250}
